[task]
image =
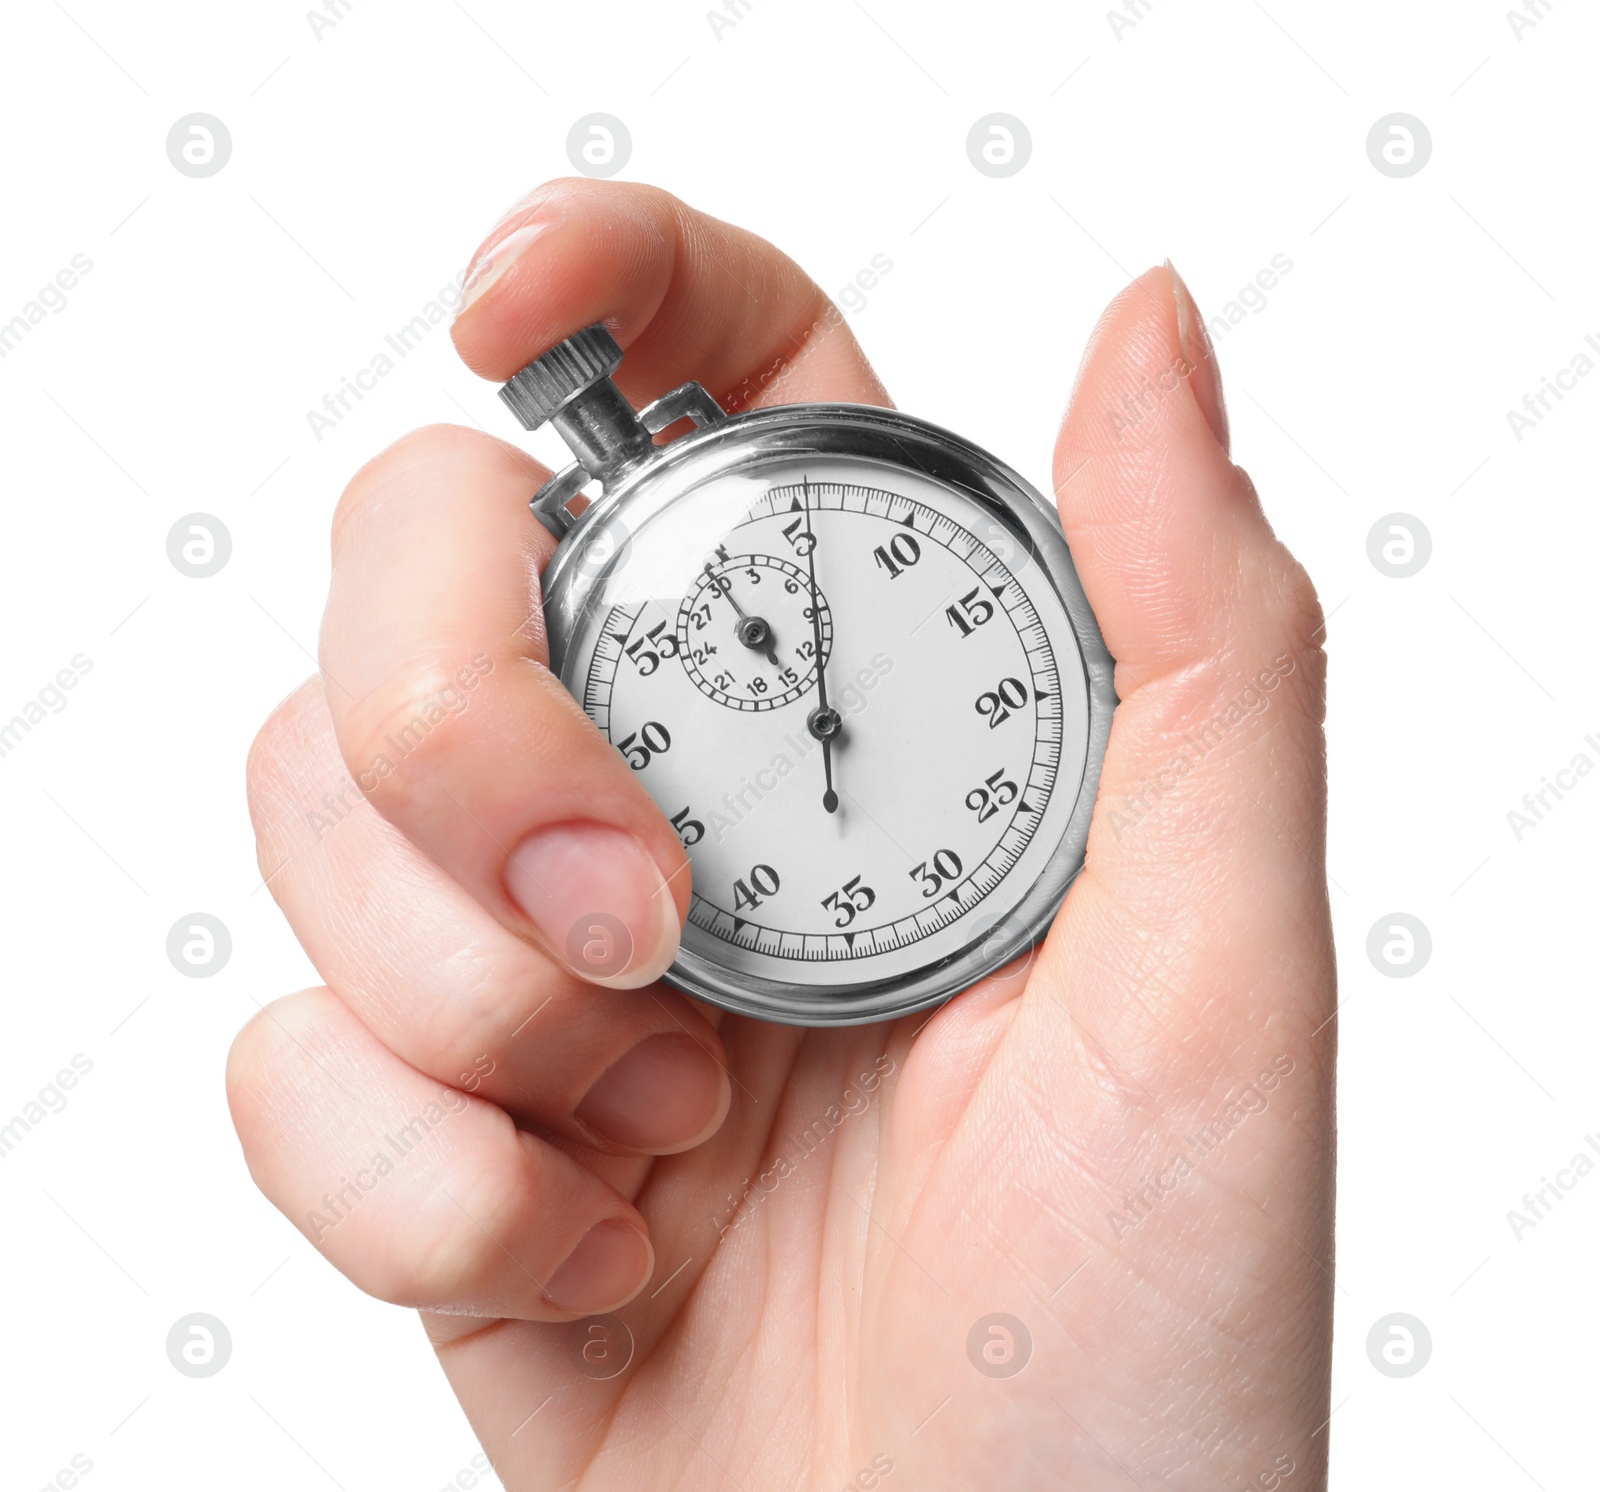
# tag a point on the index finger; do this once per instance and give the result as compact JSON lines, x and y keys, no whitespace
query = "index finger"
{"x":688,"y":296}
{"x":453,"y":727}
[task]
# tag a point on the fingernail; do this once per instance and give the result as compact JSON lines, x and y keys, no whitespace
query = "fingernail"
{"x":665,"y":1095}
{"x":599,"y":902}
{"x":1195,"y":343}
{"x":611,"y":1264}
{"x":492,"y":265}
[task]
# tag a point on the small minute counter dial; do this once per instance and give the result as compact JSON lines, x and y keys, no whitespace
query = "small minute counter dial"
{"x":748,"y":631}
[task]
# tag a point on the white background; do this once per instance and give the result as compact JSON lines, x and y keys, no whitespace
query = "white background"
{"x":365,"y":165}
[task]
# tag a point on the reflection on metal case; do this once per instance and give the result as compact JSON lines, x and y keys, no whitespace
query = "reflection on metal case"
{"x":723,"y":594}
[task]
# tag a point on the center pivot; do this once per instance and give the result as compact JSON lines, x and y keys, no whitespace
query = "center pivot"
{"x":825,"y":722}
{"x":754,"y":633}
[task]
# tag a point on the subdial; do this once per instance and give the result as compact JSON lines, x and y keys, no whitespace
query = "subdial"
{"x":747,"y":632}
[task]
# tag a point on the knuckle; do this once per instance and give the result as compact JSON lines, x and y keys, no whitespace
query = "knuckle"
{"x":1277,"y":602}
{"x":495,"y":987}
{"x":1301,"y":633}
{"x":1299,"y":607}
{"x":387,"y":475}
{"x":280,"y":745}
{"x":408,"y":719}
{"x":448,"y":1255}
{"x":448,"y":1264}
{"x":245,"y":1075}
{"x":1287,"y":632}
{"x":256,"y":1064}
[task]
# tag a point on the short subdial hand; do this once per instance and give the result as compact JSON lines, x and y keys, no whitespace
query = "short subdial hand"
{"x":753,"y":631}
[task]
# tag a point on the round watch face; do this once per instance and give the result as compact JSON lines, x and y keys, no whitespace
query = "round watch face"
{"x":858,"y":695}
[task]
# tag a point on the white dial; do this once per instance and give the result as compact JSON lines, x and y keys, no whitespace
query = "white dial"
{"x":868,"y":723}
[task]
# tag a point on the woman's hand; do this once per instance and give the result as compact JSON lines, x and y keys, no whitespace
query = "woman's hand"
{"x":1123,"y":1145}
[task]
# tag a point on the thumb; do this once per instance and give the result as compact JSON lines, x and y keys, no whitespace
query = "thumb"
{"x":1178,"y":559}
{"x":1191,"y":964}
{"x":1210,"y":813}
{"x":1213,"y":624}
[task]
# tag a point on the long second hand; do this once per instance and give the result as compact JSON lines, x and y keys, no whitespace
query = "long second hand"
{"x":830,"y":799}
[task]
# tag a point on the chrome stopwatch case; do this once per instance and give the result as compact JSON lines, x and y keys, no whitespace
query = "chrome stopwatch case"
{"x":849,"y":657}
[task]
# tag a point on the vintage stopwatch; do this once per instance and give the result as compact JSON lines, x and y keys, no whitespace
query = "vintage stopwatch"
{"x":848,"y":655}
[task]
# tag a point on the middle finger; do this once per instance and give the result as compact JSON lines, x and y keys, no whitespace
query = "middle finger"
{"x":448,"y":989}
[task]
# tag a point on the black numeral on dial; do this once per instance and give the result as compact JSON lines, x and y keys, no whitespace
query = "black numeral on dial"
{"x":648,"y":651}
{"x":849,"y":899}
{"x":802,"y":540}
{"x":765,"y":881}
{"x":998,"y":790}
{"x":901,"y":554}
{"x":969,"y":613}
{"x":651,"y":739}
{"x":998,"y":703}
{"x":946,"y":866}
